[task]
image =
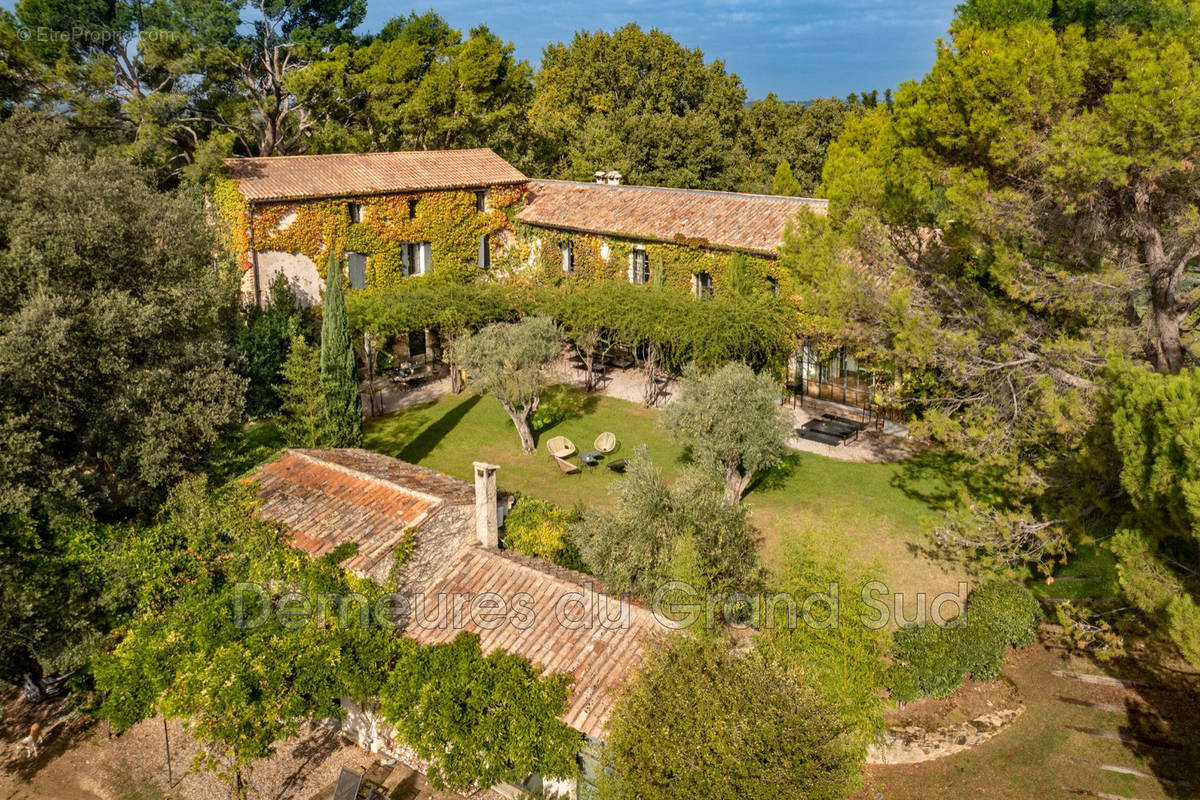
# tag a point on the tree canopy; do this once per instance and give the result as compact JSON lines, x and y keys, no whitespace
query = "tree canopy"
{"x":226,"y":633}
{"x":1025,"y":211}
{"x":702,"y":721}
{"x":115,"y":375}
{"x":731,"y":421}
{"x":1156,"y":434}
{"x":508,"y":360}
{"x":475,"y":718}
{"x":655,"y":533}
{"x":339,"y":365}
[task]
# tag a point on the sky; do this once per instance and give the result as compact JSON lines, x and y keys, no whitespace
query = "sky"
{"x":798,"y":49}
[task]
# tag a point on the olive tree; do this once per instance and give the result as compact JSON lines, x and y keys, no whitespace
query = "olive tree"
{"x":509,"y":360}
{"x":731,"y":419}
{"x":654,"y":532}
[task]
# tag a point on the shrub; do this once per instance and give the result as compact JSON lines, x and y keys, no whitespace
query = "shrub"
{"x":980,"y":652}
{"x":933,"y":660}
{"x":479,"y":719}
{"x":262,"y":343}
{"x":929,"y":662}
{"x":539,"y":528}
{"x":1009,"y":609}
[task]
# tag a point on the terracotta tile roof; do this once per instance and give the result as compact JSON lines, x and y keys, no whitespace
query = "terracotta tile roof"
{"x":329,"y":497}
{"x":350,"y":174}
{"x":326,"y":497}
{"x":599,"y":656}
{"x":751,"y":222}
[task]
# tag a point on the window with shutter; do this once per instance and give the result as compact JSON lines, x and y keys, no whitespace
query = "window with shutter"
{"x":426,"y":258}
{"x":485,"y":252}
{"x":356,"y":269}
{"x":416,"y":258}
{"x":639,"y":267}
{"x":568,"y":257}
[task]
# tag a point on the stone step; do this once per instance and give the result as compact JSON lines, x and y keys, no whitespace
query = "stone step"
{"x":1124,"y":737}
{"x":1137,"y":773}
{"x":1101,"y":680}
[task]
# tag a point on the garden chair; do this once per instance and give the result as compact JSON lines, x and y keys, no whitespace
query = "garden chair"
{"x":606,"y":442}
{"x":560,"y":447}
{"x":348,"y":783}
{"x":566,"y":466}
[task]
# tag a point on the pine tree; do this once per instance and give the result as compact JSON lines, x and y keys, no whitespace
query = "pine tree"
{"x":305,"y":422}
{"x":785,"y":182}
{"x":339,"y":370}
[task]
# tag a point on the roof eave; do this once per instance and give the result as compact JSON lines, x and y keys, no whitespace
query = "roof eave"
{"x":381,"y":193}
{"x":758,"y":251}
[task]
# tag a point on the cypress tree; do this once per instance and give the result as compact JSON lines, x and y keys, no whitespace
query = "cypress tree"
{"x":785,"y":182}
{"x":339,"y":372}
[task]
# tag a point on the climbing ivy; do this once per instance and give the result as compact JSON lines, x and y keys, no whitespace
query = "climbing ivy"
{"x":448,"y":220}
{"x":232,"y":213}
{"x":678,"y":262}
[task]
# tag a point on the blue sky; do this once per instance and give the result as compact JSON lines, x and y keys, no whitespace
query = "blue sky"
{"x":799,"y":49}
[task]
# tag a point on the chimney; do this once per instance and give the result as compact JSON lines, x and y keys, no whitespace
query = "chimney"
{"x":612,"y":178}
{"x":600,"y":176}
{"x":487,"y":528}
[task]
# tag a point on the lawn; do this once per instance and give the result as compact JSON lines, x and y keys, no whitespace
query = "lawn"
{"x":864,"y":512}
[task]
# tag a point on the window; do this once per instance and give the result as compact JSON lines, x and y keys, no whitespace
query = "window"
{"x":639,"y":267}
{"x":412,"y":209}
{"x":416,"y":258}
{"x":355,"y":211}
{"x":568,"y":257}
{"x":356,"y":268}
{"x":485,"y":252}
{"x":702,"y":285}
{"x":481,"y":201}
{"x":773,"y":286}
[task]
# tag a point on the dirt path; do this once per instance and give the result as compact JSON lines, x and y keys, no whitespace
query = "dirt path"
{"x":80,"y":761}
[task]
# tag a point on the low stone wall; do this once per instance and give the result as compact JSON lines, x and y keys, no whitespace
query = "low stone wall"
{"x":912,"y":745}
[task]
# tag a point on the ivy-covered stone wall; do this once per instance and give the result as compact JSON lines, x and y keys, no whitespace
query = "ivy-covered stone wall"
{"x":672,"y":264}
{"x":448,"y":220}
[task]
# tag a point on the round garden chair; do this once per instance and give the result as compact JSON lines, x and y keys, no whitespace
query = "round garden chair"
{"x":606,"y":442}
{"x":560,"y":447}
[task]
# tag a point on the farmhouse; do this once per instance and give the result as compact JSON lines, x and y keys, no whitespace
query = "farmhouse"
{"x":451,"y":214}
{"x":464,"y":215}
{"x":437,"y":537}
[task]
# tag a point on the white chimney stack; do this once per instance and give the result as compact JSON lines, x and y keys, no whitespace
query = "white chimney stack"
{"x":487,"y":527}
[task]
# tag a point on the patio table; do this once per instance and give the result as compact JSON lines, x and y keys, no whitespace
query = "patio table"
{"x":591,"y":457}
